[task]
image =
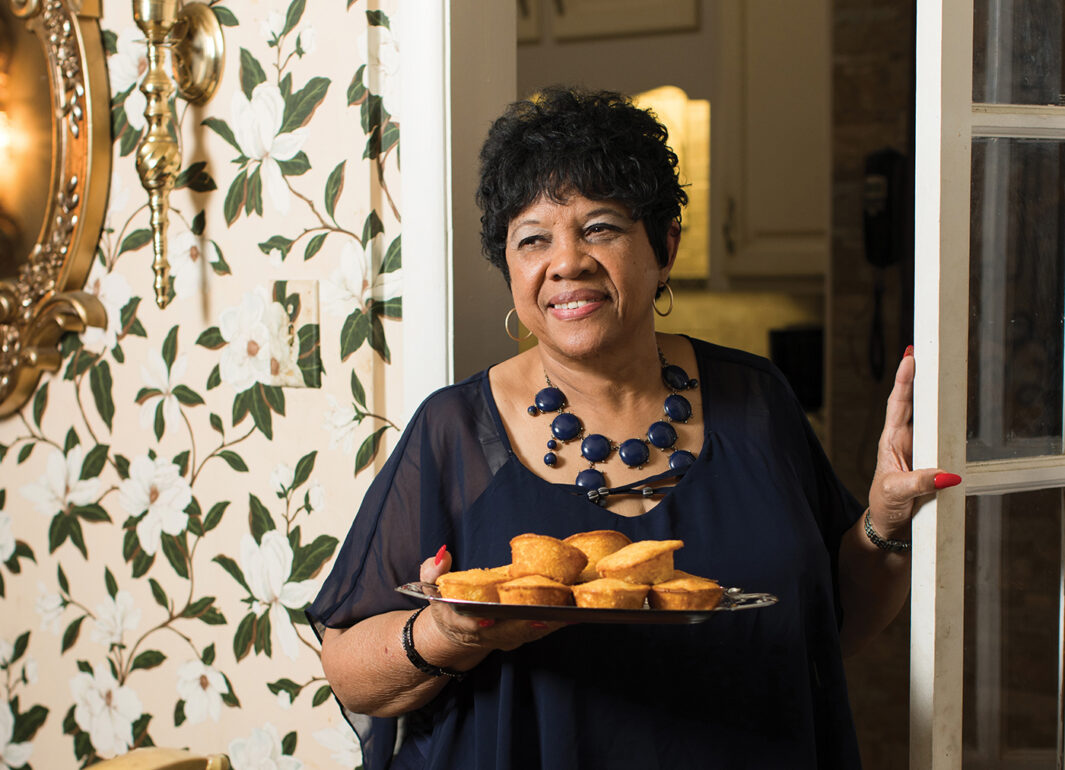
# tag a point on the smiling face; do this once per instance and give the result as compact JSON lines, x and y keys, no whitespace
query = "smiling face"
{"x":583,"y":275}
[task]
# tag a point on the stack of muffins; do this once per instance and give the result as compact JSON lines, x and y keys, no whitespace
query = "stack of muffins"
{"x":599,"y":569}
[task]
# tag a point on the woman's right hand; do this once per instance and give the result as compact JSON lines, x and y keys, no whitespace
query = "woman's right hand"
{"x":475,"y":635}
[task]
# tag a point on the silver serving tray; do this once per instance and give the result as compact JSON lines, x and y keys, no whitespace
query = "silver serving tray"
{"x":732,"y":600}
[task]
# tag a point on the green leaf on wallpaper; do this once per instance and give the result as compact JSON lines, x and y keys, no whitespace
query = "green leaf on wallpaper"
{"x":27,"y":723}
{"x":198,"y":607}
{"x":176,"y":554}
{"x":110,"y":41}
{"x":285,"y":86}
{"x":61,"y":578}
{"x":70,"y":635}
{"x":288,"y":744}
{"x":225,"y":16}
{"x":389,"y":308}
{"x":159,"y":423}
{"x":393,"y":259}
{"x":71,"y":441}
{"x":372,"y":113}
{"x":259,"y":519}
{"x":292,"y":18}
{"x":24,"y":453}
{"x":303,"y":469}
{"x":159,"y":594}
{"x":142,"y":562}
{"x":94,"y":461}
{"x":122,"y":466}
{"x":93,"y":513}
{"x":213,"y":617}
{"x":241,"y":405}
{"x":222,"y":128}
{"x":334,"y":185}
{"x":135,"y":240}
{"x":235,"y":197}
{"x":198,"y":223}
{"x":214,"y":516}
{"x":179,"y":713}
{"x":251,"y":72}
{"x":116,"y":351}
{"x":19,"y":648}
{"x":279,"y":242}
{"x":377,"y":338}
{"x":128,"y":142}
{"x":260,"y":414}
{"x":79,"y":364}
{"x":211,"y":338}
{"x":308,"y":560}
{"x":40,"y":401}
{"x":356,"y":89}
{"x":196,"y":178}
{"x":310,"y":356}
{"x":77,"y":535}
{"x":274,"y":397}
{"x":353,"y":333}
{"x":321,"y":695}
{"x":373,"y":226}
{"x":148,"y":659}
{"x":242,"y":639}
{"x":101,"y":384}
{"x":216,"y":423}
{"x":314,"y":245}
{"x":220,"y":266}
{"x":3,"y":591}
{"x":3,"y":451}
{"x":284,"y":685}
{"x":110,"y":582}
{"x":235,"y":461}
{"x":187,"y":396}
{"x":254,"y":199}
{"x":368,"y":450}
{"x":262,"y":635}
{"x":377,"y":19}
{"x":233,"y":569}
{"x":128,"y":316}
{"x":181,"y":460}
{"x":207,"y":656}
{"x":357,"y":390}
{"x":170,"y":347}
{"x":301,"y":105}
{"x":297,"y":165}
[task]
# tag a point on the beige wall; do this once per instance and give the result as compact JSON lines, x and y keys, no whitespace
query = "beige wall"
{"x":165,"y":506}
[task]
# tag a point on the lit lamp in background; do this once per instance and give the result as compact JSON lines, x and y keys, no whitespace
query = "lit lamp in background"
{"x":9,"y":234}
{"x":192,"y":32}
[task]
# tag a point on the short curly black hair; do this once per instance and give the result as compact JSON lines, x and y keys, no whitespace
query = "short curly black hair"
{"x":565,"y":140}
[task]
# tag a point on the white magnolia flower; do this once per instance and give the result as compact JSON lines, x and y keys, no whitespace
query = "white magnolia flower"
{"x":307,"y":39}
{"x":341,"y":424}
{"x":113,"y":291}
{"x":284,"y":700}
{"x":189,"y":256}
{"x":7,"y":537}
{"x":113,"y":617}
{"x":117,"y":198}
{"x":155,"y":486}
{"x":156,"y":377}
{"x":105,"y":709}
{"x":267,"y":570}
{"x":341,"y":742}
{"x":12,"y":755}
{"x":356,"y":280}
{"x":125,"y":69}
{"x":284,"y":351}
{"x":382,"y":75}
{"x":256,"y":123}
{"x":202,"y":688}
{"x":7,"y":650}
{"x":281,"y":478}
{"x":30,"y":670}
{"x":246,"y":328}
{"x":271,"y":27}
{"x":316,"y":497}
{"x":50,"y":607}
{"x":61,"y":487}
{"x":261,"y":751}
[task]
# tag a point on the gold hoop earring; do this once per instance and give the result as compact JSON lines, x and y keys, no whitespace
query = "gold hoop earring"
{"x":506,"y":326}
{"x":654,"y":302}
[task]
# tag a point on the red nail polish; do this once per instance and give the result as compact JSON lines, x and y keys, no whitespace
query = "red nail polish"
{"x":944,"y":480}
{"x":486,"y":622}
{"x":440,"y":555}
{"x":909,"y":351}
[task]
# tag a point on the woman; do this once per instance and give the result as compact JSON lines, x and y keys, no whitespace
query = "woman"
{"x":582,"y":214}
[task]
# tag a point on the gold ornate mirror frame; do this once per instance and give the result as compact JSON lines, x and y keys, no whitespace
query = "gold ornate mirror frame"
{"x":46,"y":299}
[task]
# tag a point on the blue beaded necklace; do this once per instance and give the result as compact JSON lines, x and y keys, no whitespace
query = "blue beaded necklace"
{"x":634,"y":452}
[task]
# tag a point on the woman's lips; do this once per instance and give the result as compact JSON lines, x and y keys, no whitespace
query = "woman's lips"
{"x":574,"y":308}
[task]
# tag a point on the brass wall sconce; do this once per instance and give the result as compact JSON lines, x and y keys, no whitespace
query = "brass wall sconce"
{"x":194,"y":36}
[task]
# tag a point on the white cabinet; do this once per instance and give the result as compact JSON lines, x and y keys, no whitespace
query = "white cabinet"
{"x":770,"y":145}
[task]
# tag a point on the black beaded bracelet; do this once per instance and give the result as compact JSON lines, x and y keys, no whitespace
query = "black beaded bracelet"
{"x":884,"y":544}
{"x":417,"y":660}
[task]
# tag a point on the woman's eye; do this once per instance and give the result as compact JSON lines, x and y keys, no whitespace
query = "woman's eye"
{"x":599,"y":228}
{"x":529,"y":240}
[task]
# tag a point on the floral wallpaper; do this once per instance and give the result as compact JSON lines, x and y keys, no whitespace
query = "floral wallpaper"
{"x":171,"y":498}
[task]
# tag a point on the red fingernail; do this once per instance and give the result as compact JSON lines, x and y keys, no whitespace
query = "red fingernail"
{"x":909,"y":351}
{"x":486,"y":623}
{"x":440,"y":555}
{"x":537,"y":624}
{"x":944,"y":480}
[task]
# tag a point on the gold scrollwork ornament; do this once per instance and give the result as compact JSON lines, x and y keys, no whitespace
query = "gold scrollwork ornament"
{"x":45,"y":298}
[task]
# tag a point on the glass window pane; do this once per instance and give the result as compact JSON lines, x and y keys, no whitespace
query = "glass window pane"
{"x":1012,"y":654}
{"x":1017,"y":51}
{"x":1016,"y":290}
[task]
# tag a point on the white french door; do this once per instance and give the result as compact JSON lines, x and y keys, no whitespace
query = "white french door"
{"x":987,"y":601}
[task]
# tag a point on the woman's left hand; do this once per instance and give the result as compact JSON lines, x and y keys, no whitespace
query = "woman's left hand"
{"x":895,"y":486}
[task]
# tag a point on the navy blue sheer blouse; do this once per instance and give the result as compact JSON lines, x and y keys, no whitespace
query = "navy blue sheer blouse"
{"x":760,"y":509}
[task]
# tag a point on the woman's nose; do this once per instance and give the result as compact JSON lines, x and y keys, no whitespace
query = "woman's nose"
{"x":571,"y":258}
